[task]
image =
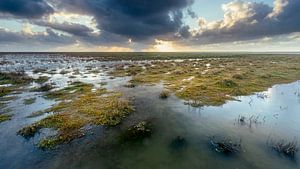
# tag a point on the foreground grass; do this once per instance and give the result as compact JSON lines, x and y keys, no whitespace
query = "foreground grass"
{"x":79,"y":106}
{"x":213,"y":81}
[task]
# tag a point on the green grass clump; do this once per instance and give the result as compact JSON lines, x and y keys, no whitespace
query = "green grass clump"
{"x":48,"y":143}
{"x":63,"y":72}
{"x":86,"y":107}
{"x":43,"y":88}
{"x":103,"y":83}
{"x":137,"y":131}
{"x":130,"y":85}
{"x":55,"y":95}
{"x":164,"y":94}
{"x":39,"y":70}
{"x":38,"y":113}
{"x":16,"y":79}
{"x":8,"y":98}
{"x":5,"y":91}
{"x":227,"y":83}
{"x":28,"y":131}
{"x":74,"y":89}
{"x":42,"y":79}
{"x":131,"y":70}
{"x":61,"y":122}
{"x":238,"y":76}
{"x":29,"y":101}
{"x":4,"y":117}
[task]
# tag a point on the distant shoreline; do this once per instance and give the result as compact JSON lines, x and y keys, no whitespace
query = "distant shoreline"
{"x":212,"y":52}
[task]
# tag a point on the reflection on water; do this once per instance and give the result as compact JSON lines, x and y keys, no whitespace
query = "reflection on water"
{"x":273,"y":113}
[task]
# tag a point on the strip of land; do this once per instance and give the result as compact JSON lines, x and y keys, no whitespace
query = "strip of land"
{"x":213,"y":81}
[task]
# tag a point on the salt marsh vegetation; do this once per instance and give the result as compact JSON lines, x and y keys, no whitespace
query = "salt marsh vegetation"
{"x":157,"y":109}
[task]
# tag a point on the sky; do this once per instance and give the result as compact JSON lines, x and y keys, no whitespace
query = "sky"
{"x":149,"y":25}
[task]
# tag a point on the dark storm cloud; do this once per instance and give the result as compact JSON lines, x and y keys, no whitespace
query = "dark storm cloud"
{"x":136,"y":19}
{"x":25,"y":8}
{"x":71,"y":28}
{"x":7,"y":37}
{"x":53,"y":37}
{"x":259,"y":20}
{"x":49,"y":37}
{"x":184,"y":32}
{"x":289,"y":20}
{"x":191,"y":13}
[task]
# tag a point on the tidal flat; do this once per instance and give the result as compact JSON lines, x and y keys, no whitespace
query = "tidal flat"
{"x":149,"y":110}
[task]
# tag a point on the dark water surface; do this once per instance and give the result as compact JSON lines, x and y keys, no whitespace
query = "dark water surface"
{"x":278,"y":114}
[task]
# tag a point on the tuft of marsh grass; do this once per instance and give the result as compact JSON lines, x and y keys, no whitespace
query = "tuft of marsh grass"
{"x":29,"y":101}
{"x":39,"y":70}
{"x":4,"y":117}
{"x":137,"y":131}
{"x":226,"y":145}
{"x":44,"y":88}
{"x":282,"y":146}
{"x":42,"y":79}
{"x":103,"y":83}
{"x":130,"y":85}
{"x":38,"y":113}
{"x":227,"y":83}
{"x":15,"y":78}
{"x":63,"y":72}
{"x":8,"y":98}
{"x":164,"y":94}
{"x":73,"y":89}
{"x":5,"y":91}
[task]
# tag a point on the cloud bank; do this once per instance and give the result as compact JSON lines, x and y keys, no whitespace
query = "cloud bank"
{"x":140,"y":24}
{"x":25,"y":8}
{"x":249,"y":20}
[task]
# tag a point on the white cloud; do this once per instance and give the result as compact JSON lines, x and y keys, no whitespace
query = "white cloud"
{"x":244,"y":21}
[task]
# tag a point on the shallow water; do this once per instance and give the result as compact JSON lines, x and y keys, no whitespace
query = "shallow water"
{"x":278,"y":117}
